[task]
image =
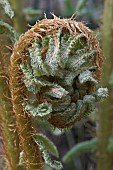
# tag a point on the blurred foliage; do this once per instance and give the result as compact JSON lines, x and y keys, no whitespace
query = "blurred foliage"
{"x":9,"y":31}
{"x":80,"y":8}
{"x":80,"y":148}
{"x":80,"y":5}
{"x":31,"y":14}
{"x":69,"y":8}
{"x":7,"y":8}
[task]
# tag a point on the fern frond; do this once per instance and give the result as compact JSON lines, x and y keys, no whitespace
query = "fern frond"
{"x":45,"y":41}
{"x":87,"y":76}
{"x":65,"y":41}
{"x":53,"y":164}
{"x":42,"y":110}
{"x":37,"y":63}
{"x":7,"y":8}
{"x":52,"y":57}
{"x":101,"y":94}
{"x":81,"y":148}
{"x":75,"y":44}
{"x":29,"y":80}
{"x":58,"y":61}
{"x":9,"y":31}
{"x":57,"y":92}
{"x":49,"y":145}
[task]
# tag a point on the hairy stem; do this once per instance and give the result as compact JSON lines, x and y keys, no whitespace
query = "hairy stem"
{"x":7,"y":122}
{"x":32,"y":154}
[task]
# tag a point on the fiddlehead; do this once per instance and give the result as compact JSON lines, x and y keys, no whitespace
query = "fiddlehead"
{"x":55,"y":68}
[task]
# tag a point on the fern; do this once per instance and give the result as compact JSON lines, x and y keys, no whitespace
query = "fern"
{"x":9,"y":31}
{"x":8,"y":10}
{"x":75,"y":44}
{"x":101,"y":94}
{"x":60,"y":61}
{"x":83,"y":147}
{"x":52,"y":57}
{"x":87,"y":76}
{"x":37,"y":64}
{"x":41,"y":111}
{"x":57,"y":63}
{"x":57,"y":92}
{"x":53,"y":164}
{"x":50,"y":147}
{"x":29,"y":80}
{"x":65,"y":41}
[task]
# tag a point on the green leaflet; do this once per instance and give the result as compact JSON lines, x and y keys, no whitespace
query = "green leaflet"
{"x":9,"y":31}
{"x":42,"y":110}
{"x":37,"y":64}
{"x":83,"y":107}
{"x":50,"y":147}
{"x":83,"y":147}
{"x":87,"y":76}
{"x":101,"y":94}
{"x":57,"y":92}
{"x":53,"y":164}
{"x":75,"y":44}
{"x":29,"y":80}
{"x":54,"y":90}
{"x":69,"y":8}
{"x":89,"y":99}
{"x":7,"y":8}
{"x":69,"y":78}
{"x":52,"y":56}
{"x":45,"y":41}
{"x":80,"y":60}
{"x":65,"y":41}
{"x":87,"y":104}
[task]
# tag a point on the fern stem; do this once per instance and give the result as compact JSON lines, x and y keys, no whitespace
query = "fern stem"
{"x":105,"y":158}
{"x":32,"y":154}
{"x":7,"y":122}
{"x":18,"y":19}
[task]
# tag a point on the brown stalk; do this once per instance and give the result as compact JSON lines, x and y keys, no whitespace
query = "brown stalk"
{"x":7,"y":120}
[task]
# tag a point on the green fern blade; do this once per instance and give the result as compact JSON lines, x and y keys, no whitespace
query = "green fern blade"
{"x":8,"y":10}
{"x":49,"y":145}
{"x":9,"y":31}
{"x":40,"y":111}
{"x":83,"y":147}
{"x":53,"y":164}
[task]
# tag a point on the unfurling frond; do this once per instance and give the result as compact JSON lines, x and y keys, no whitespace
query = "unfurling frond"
{"x":63,"y":63}
{"x":57,"y":64}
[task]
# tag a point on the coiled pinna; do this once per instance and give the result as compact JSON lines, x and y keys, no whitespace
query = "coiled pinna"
{"x":55,"y":70}
{"x":61,"y":63}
